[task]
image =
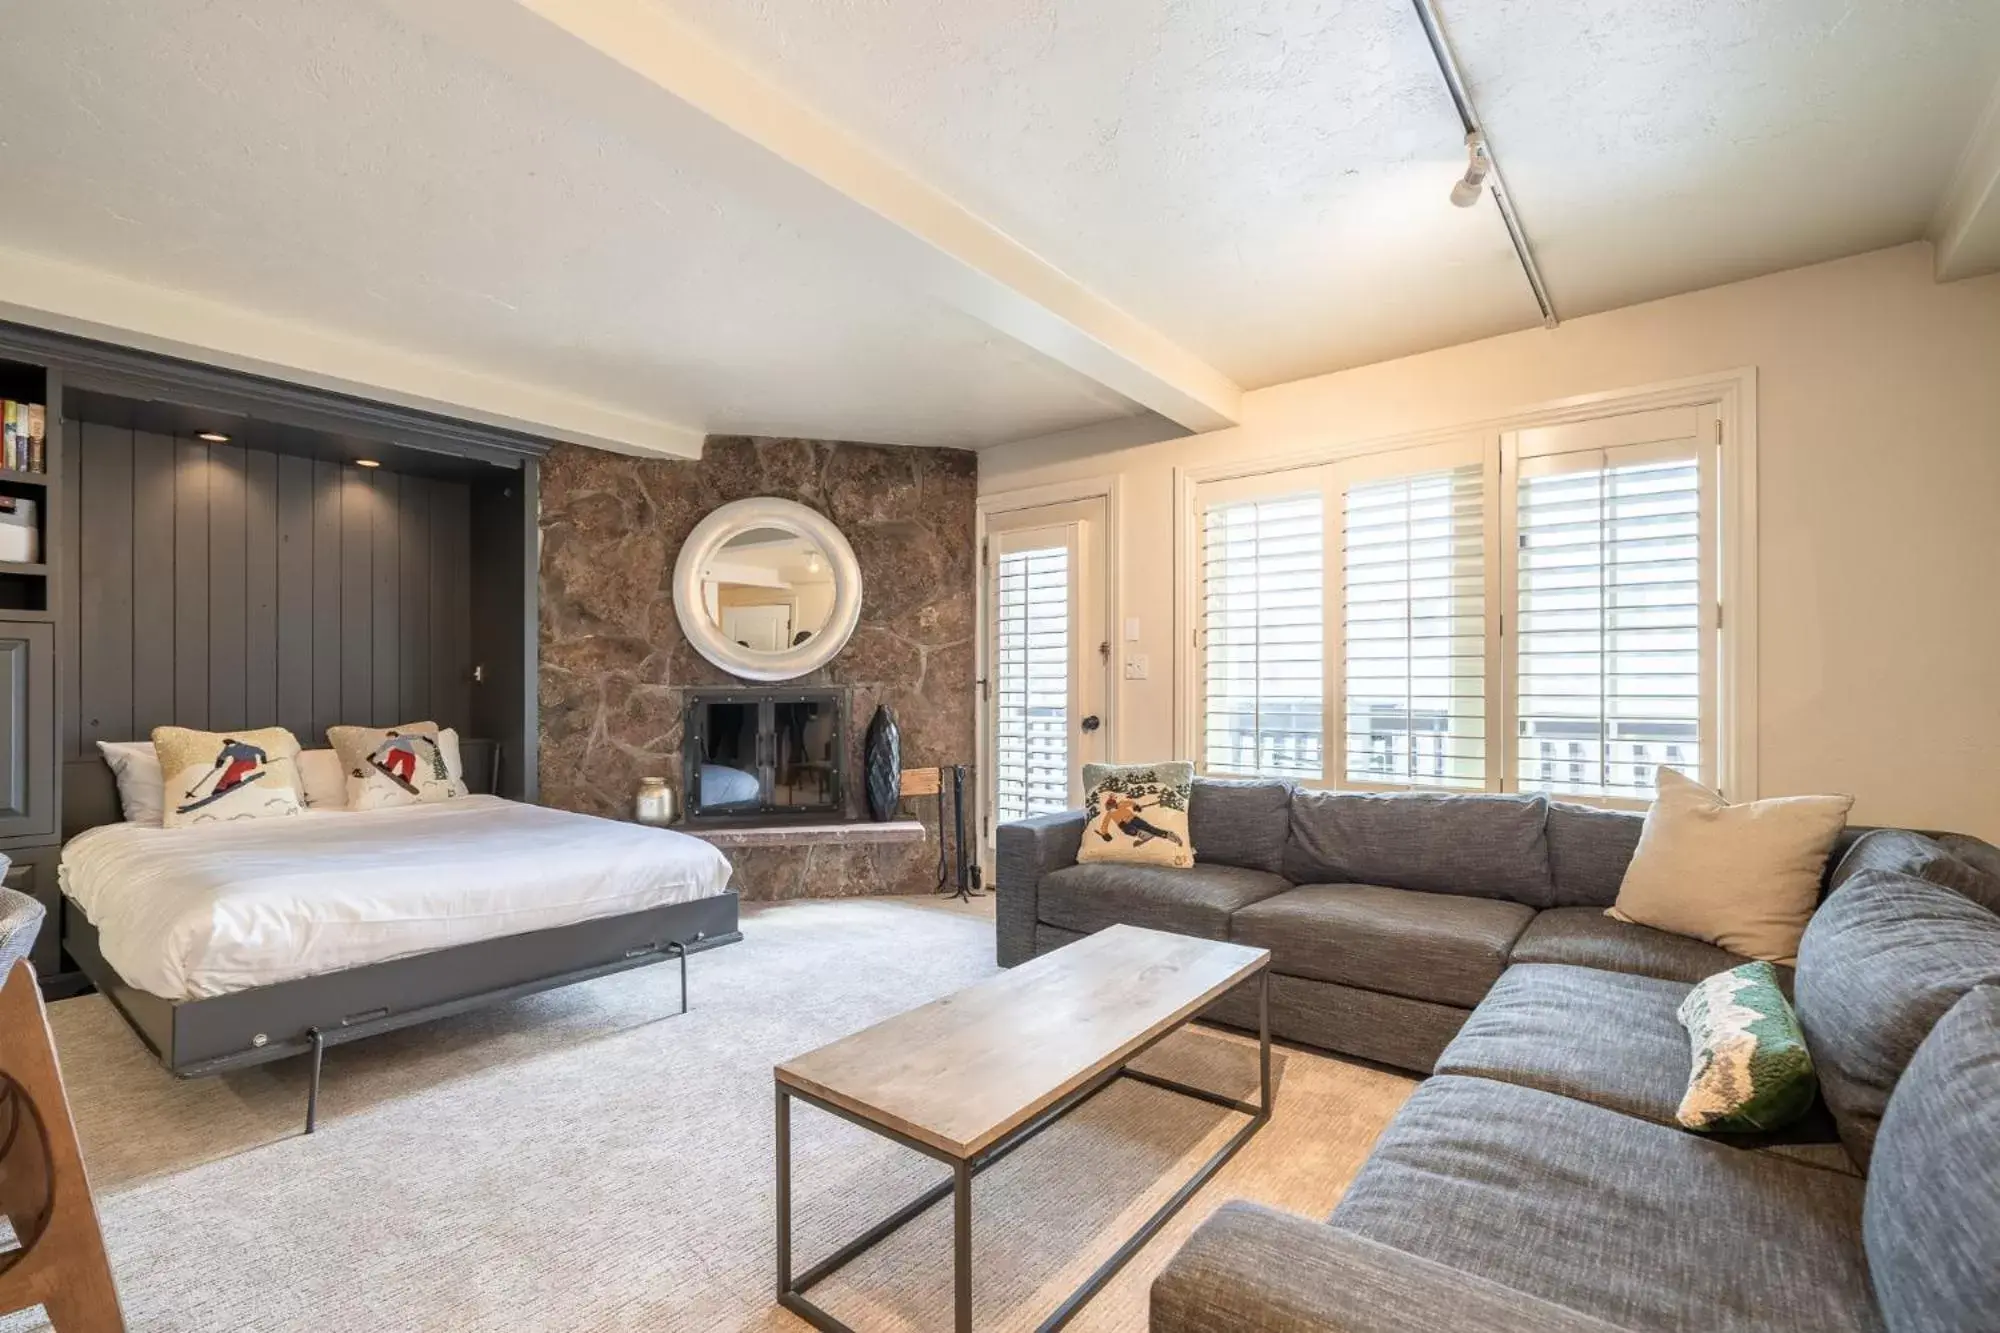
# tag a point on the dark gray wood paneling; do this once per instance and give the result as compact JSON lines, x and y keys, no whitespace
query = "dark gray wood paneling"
{"x":228,"y":636}
{"x":71,"y":603}
{"x":27,"y":730}
{"x":260,"y":585}
{"x":295,"y":587}
{"x":104,"y":569}
{"x":231,"y":587}
{"x":153,"y":583}
{"x":326,"y":597}
{"x":191,"y":689}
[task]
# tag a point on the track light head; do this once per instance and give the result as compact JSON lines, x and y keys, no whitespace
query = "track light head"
{"x":1473,"y":183}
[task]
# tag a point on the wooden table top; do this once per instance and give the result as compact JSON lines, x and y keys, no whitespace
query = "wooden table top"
{"x":960,"y":1072}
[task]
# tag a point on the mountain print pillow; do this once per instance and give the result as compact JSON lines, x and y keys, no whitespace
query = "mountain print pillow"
{"x":215,"y":777}
{"x":1138,"y":814}
{"x":1752,"y":1070}
{"x":391,"y":766}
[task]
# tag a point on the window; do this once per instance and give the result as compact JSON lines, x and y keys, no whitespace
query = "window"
{"x":1613,"y":643}
{"x":1531,"y":610}
{"x":1031,"y":674}
{"x":1263,"y":634}
{"x":1413,"y":562}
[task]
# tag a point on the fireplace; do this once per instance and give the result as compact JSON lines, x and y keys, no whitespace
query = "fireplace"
{"x":765,"y":754}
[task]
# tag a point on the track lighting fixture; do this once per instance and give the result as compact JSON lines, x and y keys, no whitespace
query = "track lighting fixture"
{"x":1473,"y":183}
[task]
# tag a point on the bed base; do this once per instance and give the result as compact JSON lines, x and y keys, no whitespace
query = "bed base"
{"x":217,"y":1034}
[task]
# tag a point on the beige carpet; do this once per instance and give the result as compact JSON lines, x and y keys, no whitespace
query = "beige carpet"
{"x":587,"y":1160}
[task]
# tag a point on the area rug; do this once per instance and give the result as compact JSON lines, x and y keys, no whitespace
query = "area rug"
{"x":591,"y":1160}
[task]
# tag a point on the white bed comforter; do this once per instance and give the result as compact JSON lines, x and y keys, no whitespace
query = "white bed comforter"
{"x":223,"y":907}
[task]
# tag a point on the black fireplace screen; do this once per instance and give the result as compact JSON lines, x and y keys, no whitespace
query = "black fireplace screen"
{"x":753,"y":752}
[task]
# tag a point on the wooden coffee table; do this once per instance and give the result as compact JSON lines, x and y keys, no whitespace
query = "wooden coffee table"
{"x":971,"y":1077}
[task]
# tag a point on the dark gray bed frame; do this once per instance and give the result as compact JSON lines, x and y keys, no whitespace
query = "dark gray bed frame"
{"x":216,"y":1034}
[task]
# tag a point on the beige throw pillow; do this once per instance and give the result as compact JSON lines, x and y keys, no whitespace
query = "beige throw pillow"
{"x":1138,"y":813}
{"x":391,"y":766}
{"x":215,"y":777}
{"x":1745,"y":877}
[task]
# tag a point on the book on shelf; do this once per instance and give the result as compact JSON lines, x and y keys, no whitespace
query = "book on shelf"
{"x":24,"y":436}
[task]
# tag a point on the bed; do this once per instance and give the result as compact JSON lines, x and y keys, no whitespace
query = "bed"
{"x":227,"y":946}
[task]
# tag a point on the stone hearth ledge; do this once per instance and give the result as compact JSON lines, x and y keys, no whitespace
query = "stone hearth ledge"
{"x":800,"y":835}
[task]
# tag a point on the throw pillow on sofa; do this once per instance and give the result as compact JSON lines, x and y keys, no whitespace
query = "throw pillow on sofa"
{"x":1752,"y":1070}
{"x":1137,"y":814}
{"x":1745,"y":877}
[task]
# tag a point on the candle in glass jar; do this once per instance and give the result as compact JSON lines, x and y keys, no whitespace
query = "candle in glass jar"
{"x":654,"y":803}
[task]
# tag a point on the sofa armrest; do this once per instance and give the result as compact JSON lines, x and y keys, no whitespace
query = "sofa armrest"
{"x":1028,"y":849}
{"x":1251,"y":1269}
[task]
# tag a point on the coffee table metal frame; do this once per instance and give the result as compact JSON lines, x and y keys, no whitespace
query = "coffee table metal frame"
{"x":792,"y":1289}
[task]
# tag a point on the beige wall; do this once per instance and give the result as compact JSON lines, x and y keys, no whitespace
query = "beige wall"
{"x":1879,"y":513}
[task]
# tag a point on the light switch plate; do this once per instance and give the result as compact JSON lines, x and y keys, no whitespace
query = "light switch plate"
{"x":1131,"y":629}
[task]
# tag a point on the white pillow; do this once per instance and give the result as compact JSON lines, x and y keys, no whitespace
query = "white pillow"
{"x":1745,"y":877}
{"x":142,"y":788}
{"x":324,"y":779}
{"x":448,"y":747}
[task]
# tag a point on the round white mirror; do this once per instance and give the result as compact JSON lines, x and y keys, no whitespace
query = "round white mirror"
{"x":767,"y":589}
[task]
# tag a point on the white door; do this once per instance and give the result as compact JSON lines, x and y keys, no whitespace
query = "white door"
{"x":1048,"y":654}
{"x":765,"y":628}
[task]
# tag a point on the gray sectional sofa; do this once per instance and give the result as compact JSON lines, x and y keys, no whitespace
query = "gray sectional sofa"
{"x":1537,"y":1180}
{"x":1388,"y":918}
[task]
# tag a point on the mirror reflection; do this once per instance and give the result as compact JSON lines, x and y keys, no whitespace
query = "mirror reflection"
{"x":768,"y":589}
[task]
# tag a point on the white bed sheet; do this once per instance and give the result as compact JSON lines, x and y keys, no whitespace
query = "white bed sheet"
{"x":202,"y":911}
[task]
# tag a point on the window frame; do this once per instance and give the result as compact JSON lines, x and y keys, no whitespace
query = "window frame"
{"x":1730,"y":396}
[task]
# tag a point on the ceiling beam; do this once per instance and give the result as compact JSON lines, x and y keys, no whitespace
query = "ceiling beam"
{"x":90,"y":303}
{"x":642,"y":73}
{"x":1965,"y":231}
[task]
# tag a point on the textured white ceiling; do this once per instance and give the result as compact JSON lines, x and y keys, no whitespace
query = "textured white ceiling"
{"x":1659,"y":146}
{"x":1263,"y":182}
{"x":325,"y":162}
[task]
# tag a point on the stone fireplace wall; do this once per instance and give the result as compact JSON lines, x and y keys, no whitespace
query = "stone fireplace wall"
{"x":614,"y":662}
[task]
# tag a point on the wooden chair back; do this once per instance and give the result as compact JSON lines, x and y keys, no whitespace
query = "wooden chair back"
{"x":58,"y":1262}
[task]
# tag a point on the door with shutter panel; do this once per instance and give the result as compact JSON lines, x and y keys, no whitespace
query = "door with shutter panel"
{"x":1048,"y":649}
{"x":1611,"y":551}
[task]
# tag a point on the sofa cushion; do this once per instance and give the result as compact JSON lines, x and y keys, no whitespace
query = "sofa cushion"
{"x":1608,"y":1038}
{"x":1481,"y":846}
{"x":1588,"y":852}
{"x":1612,"y":1039}
{"x":1585,"y":937}
{"x":1638,"y":1224}
{"x":1910,"y":853}
{"x":1882,"y":961}
{"x":1932,"y":1218}
{"x":1984,"y":858}
{"x":1197,"y":900}
{"x":1240,"y":822}
{"x":1427,"y":946}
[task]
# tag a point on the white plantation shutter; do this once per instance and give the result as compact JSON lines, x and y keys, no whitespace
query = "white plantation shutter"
{"x":1263,"y":635}
{"x":1031,"y":683}
{"x":1413,"y":574}
{"x":1614,"y":596}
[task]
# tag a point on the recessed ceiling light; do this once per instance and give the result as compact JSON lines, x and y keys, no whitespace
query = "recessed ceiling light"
{"x":366,"y":462}
{"x":213,"y":437}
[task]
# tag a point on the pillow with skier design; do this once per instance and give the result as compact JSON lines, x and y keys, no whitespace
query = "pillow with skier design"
{"x":1138,"y":814}
{"x":391,"y":766}
{"x":214,"y":777}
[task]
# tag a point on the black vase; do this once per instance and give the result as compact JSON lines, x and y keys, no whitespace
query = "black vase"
{"x":884,"y":765}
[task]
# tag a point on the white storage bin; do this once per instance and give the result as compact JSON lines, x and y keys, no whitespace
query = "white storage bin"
{"x":20,"y":534}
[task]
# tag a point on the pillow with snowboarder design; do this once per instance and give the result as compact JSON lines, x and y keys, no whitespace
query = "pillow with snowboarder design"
{"x":217,"y":777}
{"x":391,"y":766}
{"x":1137,"y":814}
